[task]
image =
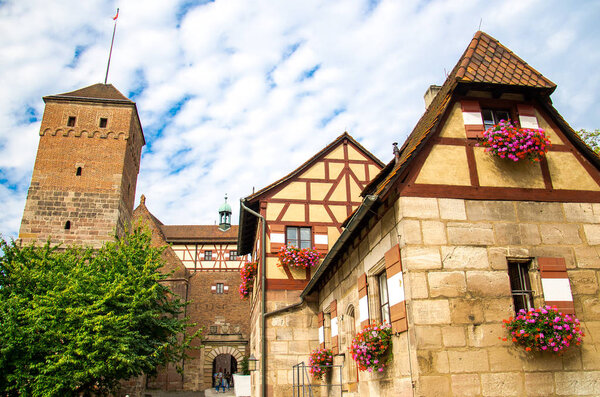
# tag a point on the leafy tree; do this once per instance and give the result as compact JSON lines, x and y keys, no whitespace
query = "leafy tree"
{"x":592,"y":138}
{"x":76,"y":321}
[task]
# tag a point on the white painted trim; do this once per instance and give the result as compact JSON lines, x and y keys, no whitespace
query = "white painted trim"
{"x":334,"y":326}
{"x":321,"y":239}
{"x":529,"y":122}
{"x":557,"y":289}
{"x":277,"y":238}
{"x":395,"y":286}
{"x":363,"y":308}
{"x":321,"y":335}
{"x":472,"y":118}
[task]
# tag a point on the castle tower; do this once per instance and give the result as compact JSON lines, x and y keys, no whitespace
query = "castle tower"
{"x":83,"y":184}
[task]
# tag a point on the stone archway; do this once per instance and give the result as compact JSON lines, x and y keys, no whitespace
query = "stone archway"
{"x":211,"y":360}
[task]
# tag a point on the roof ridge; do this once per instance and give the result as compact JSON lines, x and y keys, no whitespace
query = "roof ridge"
{"x":95,"y":91}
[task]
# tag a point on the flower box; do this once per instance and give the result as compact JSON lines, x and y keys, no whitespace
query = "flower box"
{"x":369,"y":347}
{"x":294,"y":257}
{"x":544,"y":329}
{"x":320,"y":362}
{"x":506,"y":141}
{"x":247,"y":272}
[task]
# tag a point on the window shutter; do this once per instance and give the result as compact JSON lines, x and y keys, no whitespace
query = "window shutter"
{"x":363,"y":300}
{"x":321,"y":239}
{"x":334,"y":326}
{"x":471,"y":112}
{"x":321,"y":321}
{"x":277,"y":237}
{"x":555,"y":283}
{"x":395,"y":283}
{"x":527,"y":117}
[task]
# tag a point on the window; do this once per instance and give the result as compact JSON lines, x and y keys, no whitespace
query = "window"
{"x":68,"y":225}
{"x":384,"y":300}
{"x":492,"y":117}
{"x":232,"y":255}
{"x":78,"y":172}
{"x":518,"y":273}
{"x":300,"y":237}
{"x":219,"y":288}
{"x":71,"y":121}
{"x":207,"y":255}
{"x":103,"y":122}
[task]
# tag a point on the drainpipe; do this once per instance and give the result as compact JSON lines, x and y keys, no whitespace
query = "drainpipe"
{"x":263,"y":309}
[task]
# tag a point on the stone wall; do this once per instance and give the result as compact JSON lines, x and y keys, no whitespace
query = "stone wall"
{"x":290,"y":335}
{"x":454,"y":257}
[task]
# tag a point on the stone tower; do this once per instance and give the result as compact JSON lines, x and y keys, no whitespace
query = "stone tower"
{"x":83,"y":184}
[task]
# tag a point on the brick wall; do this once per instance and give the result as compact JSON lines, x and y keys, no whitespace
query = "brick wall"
{"x":97,"y":203}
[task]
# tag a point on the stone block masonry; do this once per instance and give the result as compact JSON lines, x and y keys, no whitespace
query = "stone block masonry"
{"x":455,"y":256}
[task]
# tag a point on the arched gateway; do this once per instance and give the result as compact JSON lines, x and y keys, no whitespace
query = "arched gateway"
{"x":226,"y":358}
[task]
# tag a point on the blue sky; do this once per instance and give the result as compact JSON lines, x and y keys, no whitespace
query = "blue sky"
{"x":233,"y":96}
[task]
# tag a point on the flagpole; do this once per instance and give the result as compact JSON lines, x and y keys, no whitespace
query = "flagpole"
{"x":111,"y":46}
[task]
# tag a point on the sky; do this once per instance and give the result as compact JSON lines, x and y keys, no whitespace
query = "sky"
{"x":234,"y":94}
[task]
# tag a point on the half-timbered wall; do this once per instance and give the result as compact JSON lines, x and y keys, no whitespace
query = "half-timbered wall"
{"x":321,"y":198}
{"x":193,"y":255}
{"x":455,"y":166}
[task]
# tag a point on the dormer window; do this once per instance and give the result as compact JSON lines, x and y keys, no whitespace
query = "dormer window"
{"x":491,"y":117}
{"x":103,"y":122}
{"x":71,"y":121}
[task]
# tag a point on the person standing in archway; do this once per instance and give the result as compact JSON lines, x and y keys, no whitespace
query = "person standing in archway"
{"x":219,"y":380}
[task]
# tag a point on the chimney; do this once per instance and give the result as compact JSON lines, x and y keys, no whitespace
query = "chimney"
{"x":396,"y":152}
{"x":431,"y":93}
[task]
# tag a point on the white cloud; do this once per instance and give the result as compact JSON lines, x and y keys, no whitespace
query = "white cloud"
{"x":249,"y":112}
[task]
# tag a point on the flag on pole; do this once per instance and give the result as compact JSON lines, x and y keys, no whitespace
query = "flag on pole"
{"x":116,"y":16}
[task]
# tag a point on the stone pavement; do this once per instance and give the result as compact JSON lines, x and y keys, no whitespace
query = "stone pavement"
{"x":213,"y":393}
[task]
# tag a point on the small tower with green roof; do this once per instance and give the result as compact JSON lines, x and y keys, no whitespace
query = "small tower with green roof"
{"x":225,"y":215}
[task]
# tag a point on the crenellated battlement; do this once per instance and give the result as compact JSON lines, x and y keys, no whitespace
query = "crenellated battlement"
{"x":85,"y":133}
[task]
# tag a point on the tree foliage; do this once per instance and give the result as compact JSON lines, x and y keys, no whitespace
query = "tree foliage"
{"x":591,"y":138}
{"x":77,"y":321}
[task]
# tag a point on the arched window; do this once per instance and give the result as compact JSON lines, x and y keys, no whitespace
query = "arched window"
{"x":350,"y":331}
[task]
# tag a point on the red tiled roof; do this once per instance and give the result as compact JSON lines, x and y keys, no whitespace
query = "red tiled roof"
{"x":95,"y":91}
{"x":488,"y":61}
{"x":199,"y":233}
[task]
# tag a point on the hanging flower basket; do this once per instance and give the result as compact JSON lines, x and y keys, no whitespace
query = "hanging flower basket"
{"x":247,"y":272}
{"x":369,"y":347}
{"x":300,"y":258}
{"x":506,"y":141}
{"x":320,"y":361}
{"x":544,"y":329}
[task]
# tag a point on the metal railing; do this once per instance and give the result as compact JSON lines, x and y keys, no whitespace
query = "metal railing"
{"x":303,"y":381}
